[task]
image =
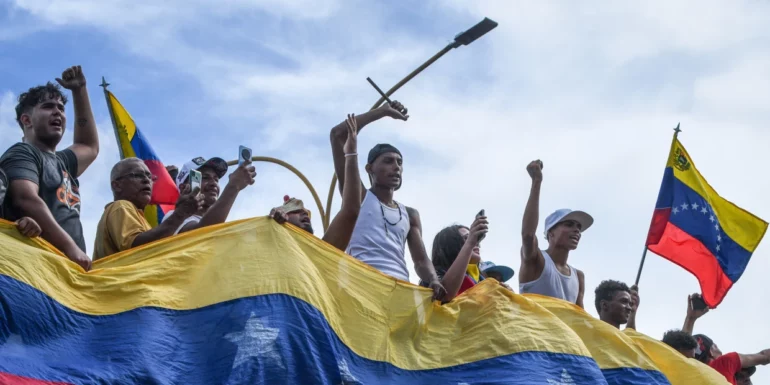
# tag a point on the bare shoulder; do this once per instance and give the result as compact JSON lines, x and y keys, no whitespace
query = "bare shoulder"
{"x":415,"y":224}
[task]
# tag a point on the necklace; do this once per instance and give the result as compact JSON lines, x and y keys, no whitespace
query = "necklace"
{"x":387,"y":222}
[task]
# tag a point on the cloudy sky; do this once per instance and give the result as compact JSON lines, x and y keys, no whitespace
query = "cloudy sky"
{"x":593,"y":89}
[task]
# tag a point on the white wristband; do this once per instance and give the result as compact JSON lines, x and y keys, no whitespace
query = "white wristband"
{"x":352,"y":154}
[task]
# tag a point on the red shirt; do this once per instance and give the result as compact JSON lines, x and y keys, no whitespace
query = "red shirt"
{"x":727,"y":365}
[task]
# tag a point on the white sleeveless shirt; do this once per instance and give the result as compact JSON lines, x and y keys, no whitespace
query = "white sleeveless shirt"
{"x":379,"y":237}
{"x":553,"y":283}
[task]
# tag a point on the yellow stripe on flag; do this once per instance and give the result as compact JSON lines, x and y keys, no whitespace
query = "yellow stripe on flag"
{"x":741,"y":226}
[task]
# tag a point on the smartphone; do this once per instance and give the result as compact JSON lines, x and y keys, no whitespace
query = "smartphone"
{"x":195,"y":180}
{"x":244,"y":154}
{"x":698,"y":303}
{"x":481,"y":214}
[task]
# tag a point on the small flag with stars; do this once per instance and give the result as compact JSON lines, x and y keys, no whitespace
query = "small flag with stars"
{"x":702,"y":232}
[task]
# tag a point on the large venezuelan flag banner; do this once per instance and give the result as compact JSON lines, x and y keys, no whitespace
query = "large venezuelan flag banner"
{"x":132,"y":143}
{"x":697,"y":229}
{"x":255,"y":302}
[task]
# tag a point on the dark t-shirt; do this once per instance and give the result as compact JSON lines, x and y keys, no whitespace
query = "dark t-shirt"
{"x":56,"y":177}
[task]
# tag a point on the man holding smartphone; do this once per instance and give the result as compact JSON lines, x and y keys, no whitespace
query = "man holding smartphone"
{"x":123,"y":225}
{"x":214,"y":208}
{"x":737,"y":368}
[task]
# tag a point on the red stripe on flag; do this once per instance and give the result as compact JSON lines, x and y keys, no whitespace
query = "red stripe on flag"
{"x":659,"y":220}
{"x":164,"y":189}
{"x":7,"y":378}
{"x":689,"y":253}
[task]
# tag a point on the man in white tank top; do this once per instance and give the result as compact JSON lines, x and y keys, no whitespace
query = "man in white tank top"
{"x":546,"y":272}
{"x":384,"y":226}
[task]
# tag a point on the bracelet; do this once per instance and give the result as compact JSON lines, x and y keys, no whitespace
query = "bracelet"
{"x":351,"y":154}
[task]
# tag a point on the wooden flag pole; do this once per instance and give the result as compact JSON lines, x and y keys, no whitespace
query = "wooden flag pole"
{"x":644,"y":253}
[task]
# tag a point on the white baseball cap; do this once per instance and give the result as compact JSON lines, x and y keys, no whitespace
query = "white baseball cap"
{"x":218,"y":164}
{"x":562,"y":215}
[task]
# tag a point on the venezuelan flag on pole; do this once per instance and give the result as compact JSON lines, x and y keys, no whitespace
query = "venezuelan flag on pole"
{"x":255,"y":302}
{"x":133,"y":144}
{"x":697,"y":229}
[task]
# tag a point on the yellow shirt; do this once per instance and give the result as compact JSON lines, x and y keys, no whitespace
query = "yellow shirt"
{"x":121,"y":223}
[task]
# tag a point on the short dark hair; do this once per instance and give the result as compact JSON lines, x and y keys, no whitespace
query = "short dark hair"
{"x":679,"y":340}
{"x":446,"y":246}
{"x":606,"y":291}
{"x":28,"y":100}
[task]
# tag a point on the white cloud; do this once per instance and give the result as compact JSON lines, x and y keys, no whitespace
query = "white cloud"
{"x":593,"y":89}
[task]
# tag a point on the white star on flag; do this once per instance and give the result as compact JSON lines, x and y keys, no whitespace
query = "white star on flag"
{"x":13,"y":346}
{"x":716,"y":226}
{"x":719,"y":238}
{"x":566,"y":379}
{"x":675,"y":210}
{"x":256,"y":340}
{"x":695,"y":206}
{"x":711,"y":218}
{"x":347,"y":377}
{"x":704,"y":210}
{"x":718,"y":247}
{"x":684,"y":206}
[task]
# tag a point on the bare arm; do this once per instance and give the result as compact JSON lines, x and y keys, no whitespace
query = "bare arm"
{"x":341,"y":228}
{"x":422,"y":264}
{"x":163,"y":230}
{"x":85,"y":138}
{"x":24,"y":196}
{"x":339,"y":134}
{"x":582,"y":288}
{"x":453,"y":278}
{"x":749,"y":360}
{"x":243,"y":176}
{"x":692,"y":315}
{"x":532,"y":262}
{"x":188,"y":204}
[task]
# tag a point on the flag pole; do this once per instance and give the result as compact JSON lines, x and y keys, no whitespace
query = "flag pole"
{"x":104,"y":85}
{"x":644,"y":253}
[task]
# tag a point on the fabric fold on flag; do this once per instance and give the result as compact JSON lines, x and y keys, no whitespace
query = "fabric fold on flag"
{"x":132,"y":143}
{"x":702,"y":232}
{"x":257,"y":302}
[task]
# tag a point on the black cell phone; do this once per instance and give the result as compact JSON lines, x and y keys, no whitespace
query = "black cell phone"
{"x":698,"y":303}
{"x":481,"y":214}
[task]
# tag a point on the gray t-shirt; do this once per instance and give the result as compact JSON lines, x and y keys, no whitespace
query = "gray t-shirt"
{"x":56,"y":177}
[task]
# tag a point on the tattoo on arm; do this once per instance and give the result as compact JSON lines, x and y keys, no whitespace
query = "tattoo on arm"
{"x":82,"y":122}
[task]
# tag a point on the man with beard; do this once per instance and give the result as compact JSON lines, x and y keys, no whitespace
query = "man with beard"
{"x":546,"y":272}
{"x":341,"y":227}
{"x":123,"y":225}
{"x":616,"y":303}
{"x":43,"y":182}
{"x":384,"y":226}
{"x":215,"y":208}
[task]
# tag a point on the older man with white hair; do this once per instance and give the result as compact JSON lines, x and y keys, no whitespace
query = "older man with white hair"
{"x":123,"y":225}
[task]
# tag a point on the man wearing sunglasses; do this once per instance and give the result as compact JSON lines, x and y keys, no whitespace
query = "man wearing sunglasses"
{"x":123,"y":225}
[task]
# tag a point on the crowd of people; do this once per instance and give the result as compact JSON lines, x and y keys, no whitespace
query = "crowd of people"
{"x":39,"y":191}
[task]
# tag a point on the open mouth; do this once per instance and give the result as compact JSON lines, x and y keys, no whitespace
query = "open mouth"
{"x":56,"y":123}
{"x":575,"y":238}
